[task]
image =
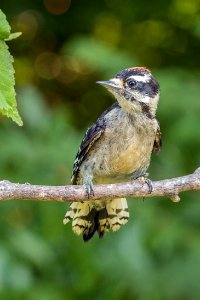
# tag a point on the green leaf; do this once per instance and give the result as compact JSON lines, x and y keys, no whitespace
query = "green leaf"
{"x":4,"y":26}
{"x":8,"y":105}
{"x":13,"y":36}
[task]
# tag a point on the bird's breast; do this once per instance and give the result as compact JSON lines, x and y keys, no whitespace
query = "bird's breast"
{"x":123,"y":151}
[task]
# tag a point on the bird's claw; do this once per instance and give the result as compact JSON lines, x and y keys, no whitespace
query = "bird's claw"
{"x":149,"y":183}
{"x":89,"y":188}
{"x":143,"y":179}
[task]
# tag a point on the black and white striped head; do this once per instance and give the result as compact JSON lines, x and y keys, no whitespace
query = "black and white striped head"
{"x":135,"y":89}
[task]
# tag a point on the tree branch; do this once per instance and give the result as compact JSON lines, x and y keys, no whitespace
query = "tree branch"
{"x":169,"y":187}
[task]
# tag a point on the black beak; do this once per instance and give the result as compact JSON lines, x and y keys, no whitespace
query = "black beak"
{"x":108,"y":83}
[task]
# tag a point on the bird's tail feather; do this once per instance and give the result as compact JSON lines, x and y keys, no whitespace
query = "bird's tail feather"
{"x":88,"y":217}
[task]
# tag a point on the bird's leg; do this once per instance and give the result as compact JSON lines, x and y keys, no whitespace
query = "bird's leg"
{"x":143,"y":179}
{"x":88,"y":187}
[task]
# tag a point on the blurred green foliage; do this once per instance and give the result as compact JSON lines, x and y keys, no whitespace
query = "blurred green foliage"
{"x":65,"y":47}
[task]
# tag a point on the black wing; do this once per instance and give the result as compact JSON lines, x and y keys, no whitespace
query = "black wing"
{"x":92,"y":135}
{"x":158,"y":141}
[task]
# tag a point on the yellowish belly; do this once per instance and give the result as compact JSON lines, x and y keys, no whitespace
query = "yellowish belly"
{"x":130,"y":159}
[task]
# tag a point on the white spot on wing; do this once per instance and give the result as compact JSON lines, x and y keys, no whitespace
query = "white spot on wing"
{"x":146,"y":99}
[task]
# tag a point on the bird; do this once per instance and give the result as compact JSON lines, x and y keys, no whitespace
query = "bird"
{"x":116,"y":148}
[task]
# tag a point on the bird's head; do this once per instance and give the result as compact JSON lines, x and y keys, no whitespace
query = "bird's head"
{"x":135,"y":89}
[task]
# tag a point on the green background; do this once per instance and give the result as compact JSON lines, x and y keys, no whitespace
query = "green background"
{"x":64,"y":49}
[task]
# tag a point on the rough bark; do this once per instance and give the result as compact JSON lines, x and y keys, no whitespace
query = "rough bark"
{"x":168,"y":187}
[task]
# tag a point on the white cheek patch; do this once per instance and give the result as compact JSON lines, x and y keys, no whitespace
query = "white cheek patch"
{"x":149,"y":100}
{"x":140,"y":78}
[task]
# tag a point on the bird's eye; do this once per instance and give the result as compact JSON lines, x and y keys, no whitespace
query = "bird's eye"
{"x":131,"y":83}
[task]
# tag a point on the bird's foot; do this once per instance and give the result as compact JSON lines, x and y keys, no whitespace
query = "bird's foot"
{"x":89,"y":187}
{"x":143,"y":179}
